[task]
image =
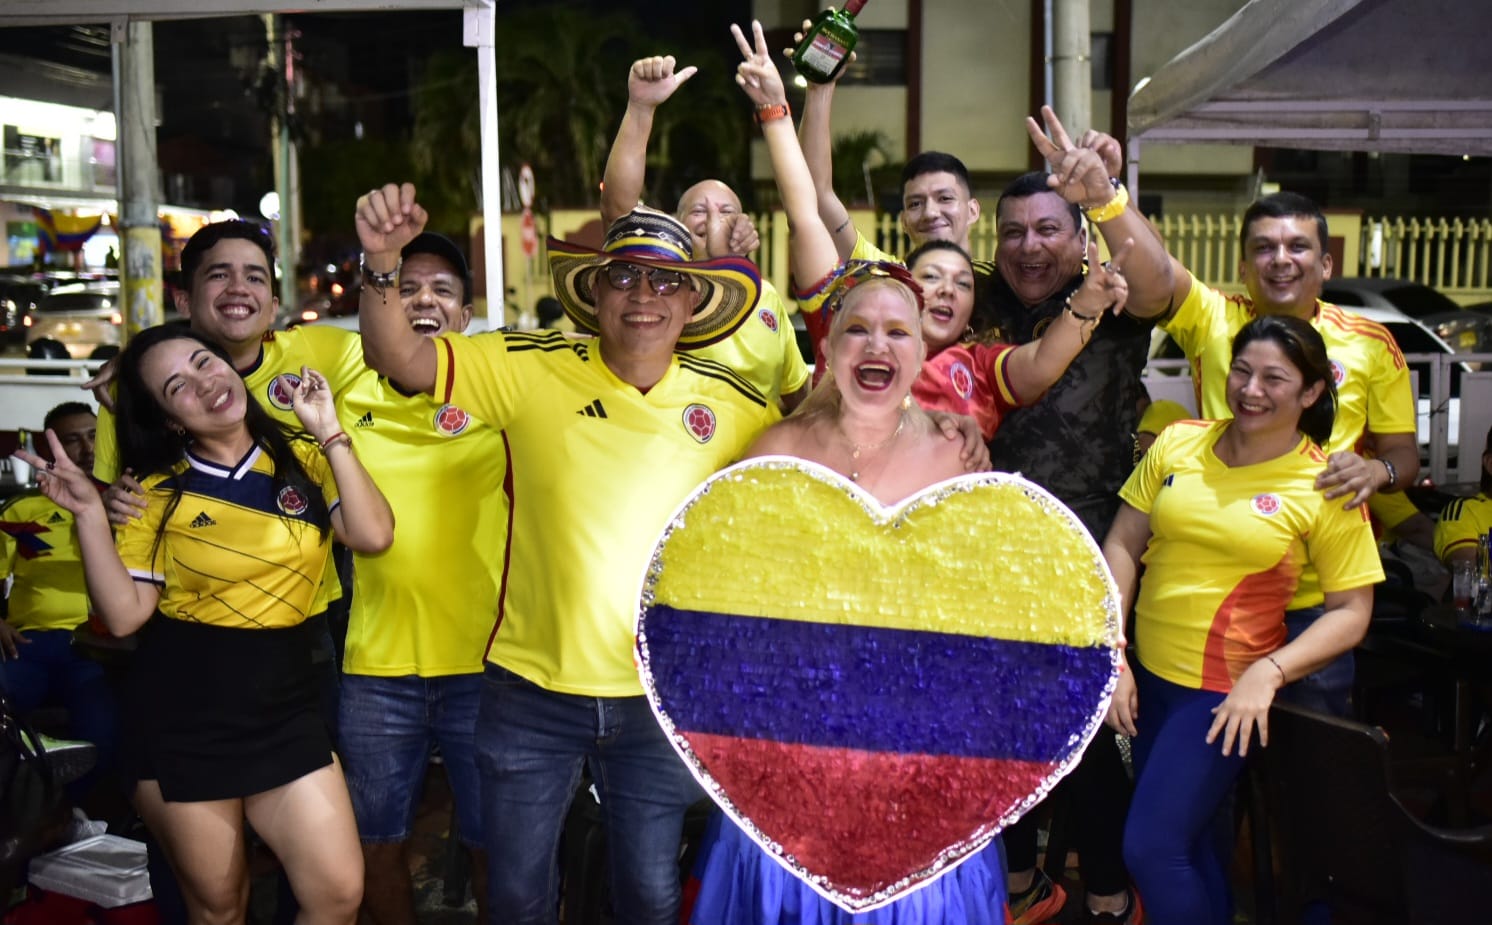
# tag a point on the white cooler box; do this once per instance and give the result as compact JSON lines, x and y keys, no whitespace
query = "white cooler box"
{"x":106,"y":870}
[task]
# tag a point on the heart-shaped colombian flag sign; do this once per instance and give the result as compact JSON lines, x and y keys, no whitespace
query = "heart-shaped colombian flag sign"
{"x":874,"y":693}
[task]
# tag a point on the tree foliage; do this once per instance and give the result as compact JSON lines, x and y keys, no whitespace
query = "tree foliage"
{"x":561,"y":90}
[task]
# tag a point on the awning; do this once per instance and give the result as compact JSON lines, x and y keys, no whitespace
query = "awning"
{"x":1410,"y":76}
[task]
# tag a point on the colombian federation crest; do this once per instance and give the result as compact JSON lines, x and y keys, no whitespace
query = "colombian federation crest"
{"x":768,"y":319}
{"x":883,"y":709}
{"x":451,"y":420}
{"x":961,"y":379}
{"x":281,"y":390}
{"x":292,"y":501}
{"x":699,"y":420}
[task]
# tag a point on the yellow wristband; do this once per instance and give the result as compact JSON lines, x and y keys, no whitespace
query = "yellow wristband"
{"x":1112,"y":209}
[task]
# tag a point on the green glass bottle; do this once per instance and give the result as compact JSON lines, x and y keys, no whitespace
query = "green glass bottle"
{"x":826,"y":46}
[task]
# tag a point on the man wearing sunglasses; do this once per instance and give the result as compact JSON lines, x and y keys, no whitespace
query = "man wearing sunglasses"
{"x":764,"y":349}
{"x":604,"y":438}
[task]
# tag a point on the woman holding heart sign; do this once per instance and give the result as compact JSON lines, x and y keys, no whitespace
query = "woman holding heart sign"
{"x":1224,"y":515}
{"x":862,"y":422}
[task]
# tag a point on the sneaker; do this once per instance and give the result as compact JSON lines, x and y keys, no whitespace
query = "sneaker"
{"x":1133,"y":914}
{"x":1040,"y":904}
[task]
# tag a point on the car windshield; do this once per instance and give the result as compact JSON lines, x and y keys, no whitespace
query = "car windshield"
{"x":78,"y":302}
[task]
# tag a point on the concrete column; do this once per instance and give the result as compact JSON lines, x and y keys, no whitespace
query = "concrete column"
{"x":139,"y":195}
{"x":1072,"y":65}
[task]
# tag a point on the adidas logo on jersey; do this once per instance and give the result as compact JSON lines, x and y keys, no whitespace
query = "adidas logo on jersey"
{"x":593,"y":410}
{"x":56,"y":518}
{"x":366,"y":420}
{"x":202,"y":520}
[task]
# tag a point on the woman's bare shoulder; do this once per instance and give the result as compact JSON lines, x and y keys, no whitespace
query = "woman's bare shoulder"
{"x":785,"y":438}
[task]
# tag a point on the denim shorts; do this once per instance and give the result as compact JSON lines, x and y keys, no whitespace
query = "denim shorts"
{"x":387,"y":730}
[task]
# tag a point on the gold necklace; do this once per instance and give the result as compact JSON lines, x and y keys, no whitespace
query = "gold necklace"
{"x":857,"y":448}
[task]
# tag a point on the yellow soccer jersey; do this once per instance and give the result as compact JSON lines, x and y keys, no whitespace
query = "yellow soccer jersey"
{"x":595,"y":469}
{"x":335,"y":353}
{"x":864,"y":250}
{"x":1462,"y":524}
{"x":764,"y":350}
{"x":236,"y":552}
{"x":39,"y":550}
{"x":1372,"y":379}
{"x":425,"y":605}
{"x":1227,"y":547}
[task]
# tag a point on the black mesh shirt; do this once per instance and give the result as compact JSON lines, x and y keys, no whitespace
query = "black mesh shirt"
{"x":1077,"y":441}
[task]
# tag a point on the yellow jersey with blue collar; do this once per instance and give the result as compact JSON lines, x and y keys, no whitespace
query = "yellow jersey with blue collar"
{"x":1228,"y":546}
{"x":335,"y":353}
{"x":237,"y":551}
{"x":595,"y":469}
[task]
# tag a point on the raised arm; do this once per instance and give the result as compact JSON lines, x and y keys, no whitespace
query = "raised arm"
{"x":812,"y":254}
{"x":1034,"y":367}
{"x":1081,"y":175}
{"x":123,"y":603}
{"x":818,"y":150}
{"x":387,"y":219}
{"x":363,"y":521}
{"x":650,"y":82}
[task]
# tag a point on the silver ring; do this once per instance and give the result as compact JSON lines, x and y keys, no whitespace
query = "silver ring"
{"x":1109,"y":266}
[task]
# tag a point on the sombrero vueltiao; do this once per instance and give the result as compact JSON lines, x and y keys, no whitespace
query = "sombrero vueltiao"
{"x":649,"y":238}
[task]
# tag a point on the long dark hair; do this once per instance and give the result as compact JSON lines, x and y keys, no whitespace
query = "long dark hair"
{"x":149,"y":443}
{"x":1304,"y":348}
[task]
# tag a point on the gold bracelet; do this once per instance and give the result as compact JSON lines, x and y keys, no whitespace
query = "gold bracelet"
{"x":1112,"y":209}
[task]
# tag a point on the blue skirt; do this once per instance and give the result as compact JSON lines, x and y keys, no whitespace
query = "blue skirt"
{"x":739,"y":884}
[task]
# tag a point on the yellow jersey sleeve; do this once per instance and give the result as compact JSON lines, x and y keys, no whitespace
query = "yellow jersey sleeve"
{"x":864,"y":250}
{"x":1462,"y":524}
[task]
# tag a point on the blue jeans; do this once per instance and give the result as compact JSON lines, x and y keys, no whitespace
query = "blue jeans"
{"x":48,"y":672}
{"x":1178,"y":838}
{"x":385,"y":734}
{"x":531,"y":744}
{"x":1328,"y":690}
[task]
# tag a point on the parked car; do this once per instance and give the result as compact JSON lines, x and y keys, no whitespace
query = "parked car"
{"x":1413,"y":299}
{"x":84,"y":316}
{"x":1467,"y":330}
{"x":19,"y":296}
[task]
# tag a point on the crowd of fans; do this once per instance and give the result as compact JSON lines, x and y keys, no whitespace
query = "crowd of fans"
{"x":500,"y":494}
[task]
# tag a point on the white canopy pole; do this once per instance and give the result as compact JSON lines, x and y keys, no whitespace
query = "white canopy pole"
{"x":480,"y":31}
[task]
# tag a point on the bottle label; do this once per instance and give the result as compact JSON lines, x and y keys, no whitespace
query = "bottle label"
{"x":823,"y":54}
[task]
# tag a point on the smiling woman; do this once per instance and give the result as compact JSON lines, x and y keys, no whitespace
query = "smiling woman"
{"x":219,"y":576}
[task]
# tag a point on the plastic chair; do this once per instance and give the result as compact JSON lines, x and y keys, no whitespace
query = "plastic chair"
{"x":1345,"y":839}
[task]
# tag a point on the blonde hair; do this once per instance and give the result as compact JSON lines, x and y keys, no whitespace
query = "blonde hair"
{"x":824,"y":399}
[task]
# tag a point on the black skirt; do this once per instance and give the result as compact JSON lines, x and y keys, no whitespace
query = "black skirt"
{"x":217,"y":713}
